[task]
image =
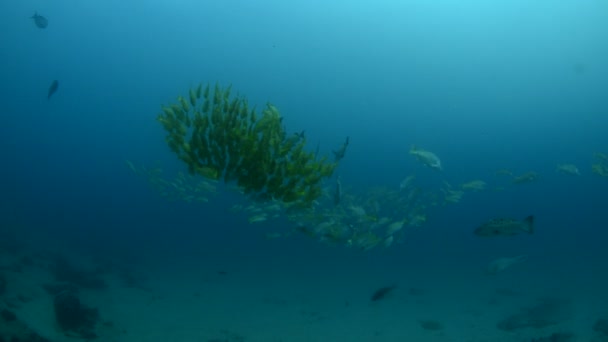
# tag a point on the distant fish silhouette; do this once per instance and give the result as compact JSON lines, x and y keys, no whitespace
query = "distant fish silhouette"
{"x":382,"y":292}
{"x":53,"y":88}
{"x":40,"y":21}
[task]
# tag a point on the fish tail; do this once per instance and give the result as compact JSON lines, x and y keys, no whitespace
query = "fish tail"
{"x":529,"y":224}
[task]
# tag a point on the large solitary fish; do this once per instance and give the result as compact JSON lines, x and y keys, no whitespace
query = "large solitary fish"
{"x":506,"y":227}
{"x":40,"y":21}
{"x":53,"y":89}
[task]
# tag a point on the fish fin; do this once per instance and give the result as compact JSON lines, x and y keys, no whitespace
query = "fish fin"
{"x":529,"y":224}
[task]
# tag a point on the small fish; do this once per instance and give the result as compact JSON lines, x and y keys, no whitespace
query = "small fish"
{"x":499,"y":265}
{"x":388,"y":241}
{"x":131,"y":166}
{"x":301,"y":135}
{"x":556,"y":337}
{"x":600,"y":156}
{"x":40,"y":21}
{"x":527,"y":177}
{"x":274,"y":235}
{"x":395,"y":227}
{"x":338,"y":192}
{"x":357,"y":211}
{"x":506,"y":227}
{"x":418,"y":220}
{"x":382,"y":292}
{"x":476,"y":185}
{"x":339,"y":154}
{"x":431,"y":325}
{"x":53,"y":89}
{"x":568,"y":169}
{"x":406,"y":182}
{"x":258,"y":218}
{"x":427,"y":158}
{"x":504,"y":172}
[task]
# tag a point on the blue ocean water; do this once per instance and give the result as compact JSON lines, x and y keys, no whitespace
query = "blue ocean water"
{"x":514,"y":85}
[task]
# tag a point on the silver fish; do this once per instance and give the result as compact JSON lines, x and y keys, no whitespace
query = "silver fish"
{"x":506,"y":227}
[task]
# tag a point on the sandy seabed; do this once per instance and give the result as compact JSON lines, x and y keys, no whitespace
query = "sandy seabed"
{"x":185,"y":300}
